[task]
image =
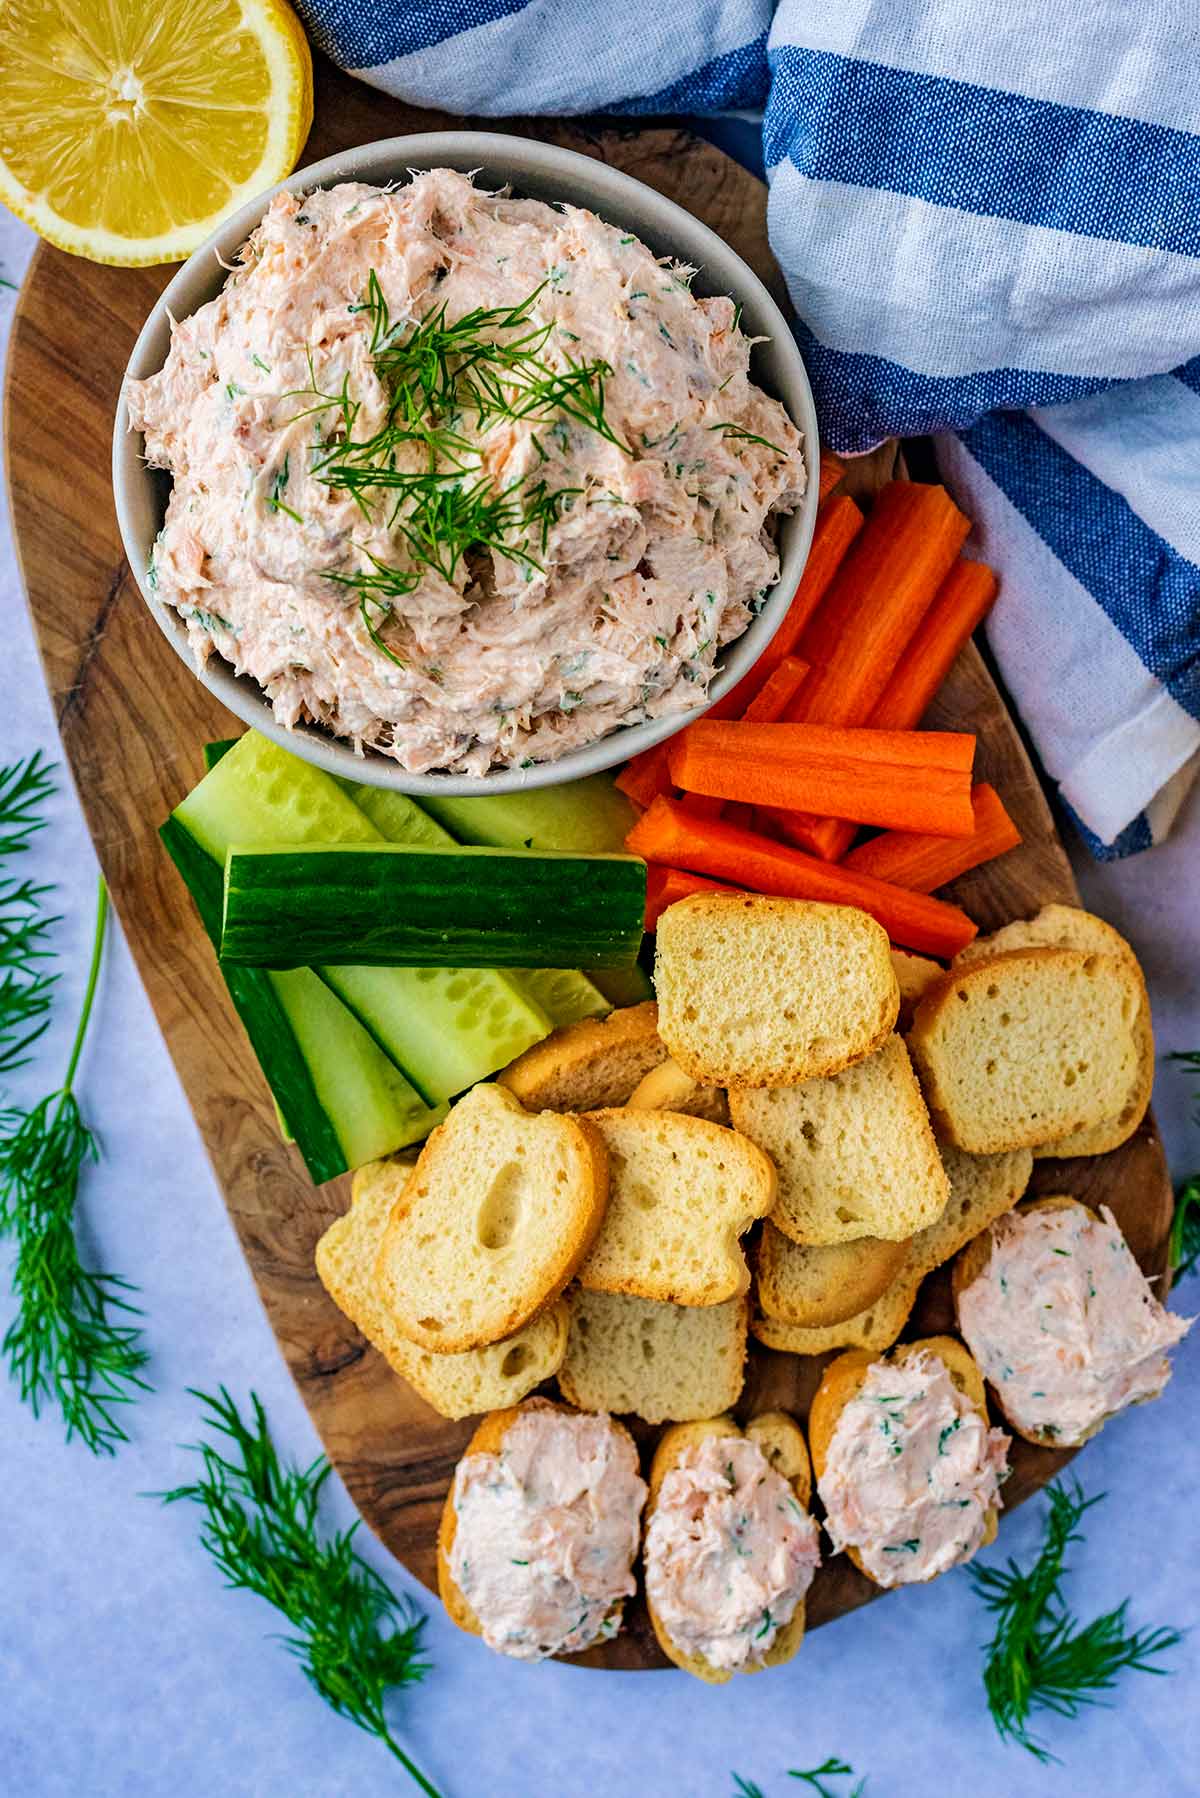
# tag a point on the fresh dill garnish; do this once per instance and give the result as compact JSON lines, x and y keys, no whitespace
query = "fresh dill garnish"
{"x":355,"y":1640}
{"x":5,"y":282}
{"x":279,"y":487}
{"x":1040,"y":1657}
{"x":833,"y":1768}
{"x":66,"y":1343}
{"x":26,"y":988}
{"x":259,"y":363}
{"x":377,"y":587}
{"x":486,"y":367}
{"x":731,"y":430}
{"x":1183,"y":1249}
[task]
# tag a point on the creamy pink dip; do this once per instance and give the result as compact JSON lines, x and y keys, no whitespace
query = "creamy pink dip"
{"x":730,"y":1553}
{"x":912,"y":1472}
{"x":546,"y":1532}
{"x":1064,"y":1324}
{"x":608,"y":608}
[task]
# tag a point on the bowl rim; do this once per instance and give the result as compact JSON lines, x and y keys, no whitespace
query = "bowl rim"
{"x":512,"y":156}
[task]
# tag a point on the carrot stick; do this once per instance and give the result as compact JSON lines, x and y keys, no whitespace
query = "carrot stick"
{"x":924,"y":863}
{"x":701,"y":805}
{"x":666,"y":834}
{"x":880,"y":595}
{"x":646,"y":776}
{"x":777,"y":692}
{"x":666,"y":885}
{"x":768,"y":705}
{"x":838,"y":524}
{"x":902,"y":779}
{"x":832,"y":471}
{"x":962,"y":600}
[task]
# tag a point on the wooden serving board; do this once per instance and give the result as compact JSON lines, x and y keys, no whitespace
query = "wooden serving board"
{"x":133,"y":721}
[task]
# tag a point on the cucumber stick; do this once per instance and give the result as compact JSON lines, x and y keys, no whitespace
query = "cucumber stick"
{"x":306,"y":1043}
{"x":391,"y":905}
{"x":590,"y":816}
{"x":444,"y":1028}
{"x":587,"y":817}
{"x":564,"y":994}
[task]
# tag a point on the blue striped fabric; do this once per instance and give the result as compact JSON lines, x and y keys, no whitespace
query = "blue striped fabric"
{"x":989,"y":222}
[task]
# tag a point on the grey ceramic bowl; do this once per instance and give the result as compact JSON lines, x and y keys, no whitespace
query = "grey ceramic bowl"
{"x":536,"y":171}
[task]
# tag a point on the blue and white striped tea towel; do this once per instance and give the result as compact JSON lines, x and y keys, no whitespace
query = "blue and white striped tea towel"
{"x":989,"y":220}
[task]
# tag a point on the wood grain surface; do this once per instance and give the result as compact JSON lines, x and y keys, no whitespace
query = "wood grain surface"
{"x":133,"y":720}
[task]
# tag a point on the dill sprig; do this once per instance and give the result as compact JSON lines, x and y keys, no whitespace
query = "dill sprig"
{"x":26,"y":988}
{"x":67,"y":1343}
{"x":439,"y":376}
{"x":354,"y":1639}
{"x":1183,"y":1248}
{"x":1040,"y":1657}
{"x":729,"y":429}
{"x":833,"y":1768}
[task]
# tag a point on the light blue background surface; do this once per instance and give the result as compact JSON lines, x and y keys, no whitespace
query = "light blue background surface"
{"x":127,"y":1672}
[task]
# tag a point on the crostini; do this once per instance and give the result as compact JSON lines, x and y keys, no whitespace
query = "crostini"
{"x":1062,"y":1320}
{"x":730,"y":1549}
{"x":540,"y":1529}
{"x":907,"y":1468}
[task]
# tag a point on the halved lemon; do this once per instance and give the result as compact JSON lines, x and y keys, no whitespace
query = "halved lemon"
{"x":130,"y":128}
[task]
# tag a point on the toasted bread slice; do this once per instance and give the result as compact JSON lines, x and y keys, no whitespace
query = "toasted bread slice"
{"x":755,"y":991}
{"x":590,"y":1065}
{"x":659,"y":1362}
{"x":497,"y":1215}
{"x":1023,"y":1049}
{"x":1067,"y":927}
{"x":668,"y":1088}
{"x":915,"y":974}
{"x":782,"y":1443}
{"x":482,"y":1379}
{"x":843,"y":1379}
{"x":487,"y":1440}
{"x":855,"y":1151}
{"x":681,"y":1193}
{"x":876,"y":1328}
{"x":815,"y":1285}
{"x":982,"y":1188}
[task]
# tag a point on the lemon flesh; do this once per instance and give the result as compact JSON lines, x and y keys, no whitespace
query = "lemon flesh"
{"x":130,"y":128}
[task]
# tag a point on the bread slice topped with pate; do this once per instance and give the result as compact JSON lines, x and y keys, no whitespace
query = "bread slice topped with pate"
{"x":907,"y":1468}
{"x":540,"y":1530}
{"x":1024,"y":1049}
{"x":755,"y":991}
{"x":497,"y":1215}
{"x":1062,"y":1320}
{"x":730,"y":1548}
{"x":481,"y":1379}
{"x":682,"y":1192}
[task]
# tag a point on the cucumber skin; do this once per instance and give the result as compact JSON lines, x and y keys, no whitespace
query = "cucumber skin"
{"x":203,"y":814}
{"x":588,"y":817}
{"x":262,"y":1016}
{"x":392,"y":906}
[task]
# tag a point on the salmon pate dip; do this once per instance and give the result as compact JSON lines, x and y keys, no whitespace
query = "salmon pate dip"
{"x":469,"y":480}
{"x":546,"y":1532}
